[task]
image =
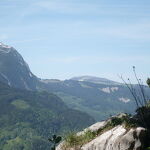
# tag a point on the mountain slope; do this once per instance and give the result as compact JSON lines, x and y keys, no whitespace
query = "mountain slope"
{"x":14,"y":70}
{"x":98,"y":100}
{"x":27,"y":118}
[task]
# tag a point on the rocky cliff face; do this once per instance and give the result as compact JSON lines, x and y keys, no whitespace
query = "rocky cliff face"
{"x":14,"y":71}
{"x":116,"y":138}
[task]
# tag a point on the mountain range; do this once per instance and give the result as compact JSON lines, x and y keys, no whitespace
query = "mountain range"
{"x":32,"y":108}
{"x":99,"y":97}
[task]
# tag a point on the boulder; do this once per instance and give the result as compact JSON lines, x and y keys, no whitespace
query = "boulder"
{"x":117,"y":138}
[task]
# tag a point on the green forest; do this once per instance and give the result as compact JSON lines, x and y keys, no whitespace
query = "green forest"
{"x":28,"y":119}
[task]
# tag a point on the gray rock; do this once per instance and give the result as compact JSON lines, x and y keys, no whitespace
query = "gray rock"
{"x":118,"y":138}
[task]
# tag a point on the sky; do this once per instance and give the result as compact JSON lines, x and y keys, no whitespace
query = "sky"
{"x":61,"y":39}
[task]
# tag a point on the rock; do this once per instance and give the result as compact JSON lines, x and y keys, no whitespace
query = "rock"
{"x":100,"y":125}
{"x":95,"y":127}
{"x":117,"y":138}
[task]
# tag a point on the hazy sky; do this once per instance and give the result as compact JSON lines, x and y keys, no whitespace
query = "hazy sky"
{"x":66,"y":38}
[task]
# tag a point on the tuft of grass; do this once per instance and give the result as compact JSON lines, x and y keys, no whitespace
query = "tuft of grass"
{"x":76,"y":141}
{"x":72,"y":139}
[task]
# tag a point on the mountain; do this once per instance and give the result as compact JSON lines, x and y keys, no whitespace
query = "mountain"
{"x":98,"y":100}
{"x":14,"y":70}
{"x":28,"y":118}
{"x":95,"y":80}
{"x":96,"y":96}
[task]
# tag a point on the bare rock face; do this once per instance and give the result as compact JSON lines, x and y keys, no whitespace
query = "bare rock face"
{"x":14,"y":71}
{"x":117,"y":138}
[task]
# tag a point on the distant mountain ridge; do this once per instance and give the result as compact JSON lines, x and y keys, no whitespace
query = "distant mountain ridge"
{"x":94,"y":79}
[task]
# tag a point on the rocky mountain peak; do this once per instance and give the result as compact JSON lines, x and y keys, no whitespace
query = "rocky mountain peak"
{"x":5,"y":48}
{"x":14,"y":70}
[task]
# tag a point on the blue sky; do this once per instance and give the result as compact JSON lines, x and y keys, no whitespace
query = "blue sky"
{"x":66,"y":38}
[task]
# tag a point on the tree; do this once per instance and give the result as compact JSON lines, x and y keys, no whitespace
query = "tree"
{"x":54,"y":140}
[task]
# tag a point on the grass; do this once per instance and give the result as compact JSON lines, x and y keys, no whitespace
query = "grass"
{"x":21,"y":104}
{"x":76,"y":141}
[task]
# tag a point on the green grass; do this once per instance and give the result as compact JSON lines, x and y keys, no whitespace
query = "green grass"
{"x":76,"y":141}
{"x":21,"y":104}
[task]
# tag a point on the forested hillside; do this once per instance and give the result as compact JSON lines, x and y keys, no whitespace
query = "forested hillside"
{"x":28,"y":118}
{"x":99,"y":100}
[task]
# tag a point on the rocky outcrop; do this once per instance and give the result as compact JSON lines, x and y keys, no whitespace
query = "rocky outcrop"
{"x":117,"y":138}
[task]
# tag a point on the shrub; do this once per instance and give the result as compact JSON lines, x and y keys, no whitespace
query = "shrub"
{"x":54,"y":140}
